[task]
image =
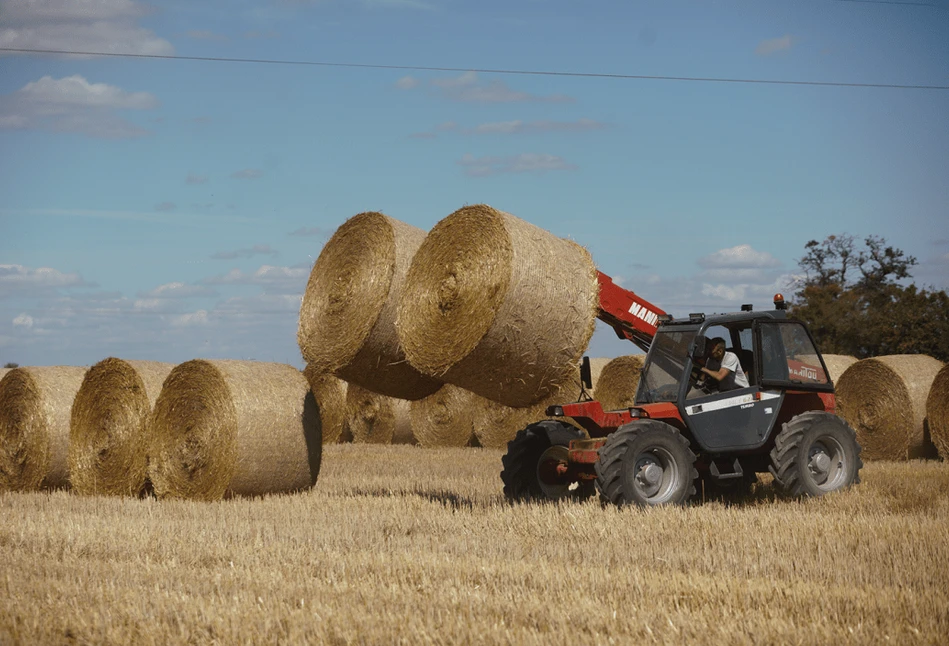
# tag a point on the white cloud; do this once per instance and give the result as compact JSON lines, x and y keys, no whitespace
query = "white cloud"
{"x":17,"y":278}
{"x":23,"y":320}
{"x":274,"y":280}
{"x":740,"y":257}
{"x":191,"y":319}
{"x":774,"y":45}
{"x":407,"y":83}
{"x":176,"y":290}
{"x":256,"y":250}
{"x":248,"y":173}
{"x":531,"y":127}
{"x":523,"y":163}
{"x":73,"y":104}
{"x":468,"y":88}
{"x":79,"y":25}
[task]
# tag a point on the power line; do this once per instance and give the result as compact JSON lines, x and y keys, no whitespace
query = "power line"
{"x":911,"y":4}
{"x":420,"y":68}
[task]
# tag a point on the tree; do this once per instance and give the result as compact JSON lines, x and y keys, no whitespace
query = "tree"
{"x":853,"y":302}
{"x":11,"y":365}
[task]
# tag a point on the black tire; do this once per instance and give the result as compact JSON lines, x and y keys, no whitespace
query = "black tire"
{"x":524,"y":474}
{"x":626,"y":472}
{"x":814,"y":454}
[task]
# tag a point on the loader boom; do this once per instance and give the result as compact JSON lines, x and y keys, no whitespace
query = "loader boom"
{"x":630,"y":316}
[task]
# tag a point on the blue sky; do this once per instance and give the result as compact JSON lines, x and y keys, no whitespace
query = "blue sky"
{"x":171,"y":209}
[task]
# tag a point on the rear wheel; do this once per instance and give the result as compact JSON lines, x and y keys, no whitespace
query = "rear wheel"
{"x":534,"y":465}
{"x":815,"y":453}
{"x":644,"y":463}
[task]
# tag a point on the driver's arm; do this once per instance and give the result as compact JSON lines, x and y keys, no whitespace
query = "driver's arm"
{"x":719,"y":374}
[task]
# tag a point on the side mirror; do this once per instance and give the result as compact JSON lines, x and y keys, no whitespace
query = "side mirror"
{"x":698,"y":347}
{"x":586,"y":378}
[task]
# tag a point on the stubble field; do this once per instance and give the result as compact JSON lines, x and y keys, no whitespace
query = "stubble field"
{"x":399,"y":544}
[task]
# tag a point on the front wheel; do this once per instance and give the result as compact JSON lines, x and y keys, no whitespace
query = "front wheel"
{"x":645,"y":463}
{"x":534,"y":466}
{"x":815,"y":453}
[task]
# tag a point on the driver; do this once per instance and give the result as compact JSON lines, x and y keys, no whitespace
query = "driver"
{"x":724,"y":367}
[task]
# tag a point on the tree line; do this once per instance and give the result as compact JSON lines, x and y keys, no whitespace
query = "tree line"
{"x":853,"y":301}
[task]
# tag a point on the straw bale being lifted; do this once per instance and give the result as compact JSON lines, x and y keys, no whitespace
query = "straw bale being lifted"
{"x":34,"y":426}
{"x":108,"y":438}
{"x":347,"y":318}
{"x":937,"y":411}
{"x":443,"y":418}
{"x":223,"y":428}
{"x":618,"y":382}
{"x":330,"y":395}
{"x":498,"y":306}
{"x":377,"y":419}
{"x":884,"y":400}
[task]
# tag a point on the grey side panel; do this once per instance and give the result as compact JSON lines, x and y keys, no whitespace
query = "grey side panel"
{"x":734,"y":420}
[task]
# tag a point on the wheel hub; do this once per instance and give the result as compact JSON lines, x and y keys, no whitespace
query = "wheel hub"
{"x":825,"y":463}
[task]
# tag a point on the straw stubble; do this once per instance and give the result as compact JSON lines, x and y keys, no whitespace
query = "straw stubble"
{"x":108,"y":440}
{"x":224,"y":427}
{"x":35,"y":404}
{"x":498,"y":306}
{"x":347,"y":318}
{"x":884,"y":400}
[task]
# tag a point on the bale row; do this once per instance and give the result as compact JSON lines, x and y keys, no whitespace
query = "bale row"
{"x":937,"y":411}
{"x":884,"y":400}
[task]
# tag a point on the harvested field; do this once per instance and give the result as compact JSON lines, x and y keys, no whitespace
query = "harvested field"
{"x":401,"y":544}
{"x":108,"y":439}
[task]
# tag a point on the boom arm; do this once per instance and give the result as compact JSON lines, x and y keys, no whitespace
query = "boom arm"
{"x":630,"y":316}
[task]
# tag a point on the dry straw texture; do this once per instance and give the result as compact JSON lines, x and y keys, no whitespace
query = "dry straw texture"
{"x":443,"y":418}
{"x":498,"y":306}
{"x":884,"y":399}
{"x":377,"y":419}
{"x":619,"y":379}
{"x":837,"y":364}
{"x":34,"y":426}
{"x":347,"y":318}
{"x":234,"y":428}
{"x":937,"y":411}
{"x":330,"y":395}
{"x":108,"y":451}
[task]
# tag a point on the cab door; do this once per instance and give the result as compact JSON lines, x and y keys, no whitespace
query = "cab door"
{"x":733,"y":420}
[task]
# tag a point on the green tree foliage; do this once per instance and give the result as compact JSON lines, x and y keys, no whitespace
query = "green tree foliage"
{"x":11,"y":365}
{"x":853,"y":302}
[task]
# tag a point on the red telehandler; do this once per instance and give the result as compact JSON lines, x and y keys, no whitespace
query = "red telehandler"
{"x":683,"y":431}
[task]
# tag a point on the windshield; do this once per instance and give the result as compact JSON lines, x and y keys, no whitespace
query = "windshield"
{"x":664,"y":367}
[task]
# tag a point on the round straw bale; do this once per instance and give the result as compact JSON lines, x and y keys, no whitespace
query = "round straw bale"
{"x":3,"y":371}
{"x":223,"y":428}
{"x":377,"y":419}
{"x":330,"y":395}
{"x":347,"y":318}
{"x":596,"y":369}
{"x":937,"y":411}
{"x":618,"y":382}
{"x":495,"y":424}
{"x":498,"y":306}
{"x":34,"y":426}
{"x":884,"y":400}
{"x":108,"y":451}
{"x":443,"y":418}
{"x":837,"y":364}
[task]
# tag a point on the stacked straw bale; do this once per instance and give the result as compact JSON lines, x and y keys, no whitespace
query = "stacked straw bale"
{"x":347,"y":318}
{"x":837,"y":364}
{"x":377,"y":419}
{"x":108,"y":452}
{"x":937,"y":411}
{"x":223,"y":428}
{"x":884,"y":400}
{"x":34,"y":426}
{"x":596,"y":370}
{"x":498,"y":306}
{"x":3,"y":371}
{"x":618,"y":382}
{"x":330,"y":395}
{"x":443,"y":418}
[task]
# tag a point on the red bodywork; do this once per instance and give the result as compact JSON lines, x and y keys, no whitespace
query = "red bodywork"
{"x":630,"y":316}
